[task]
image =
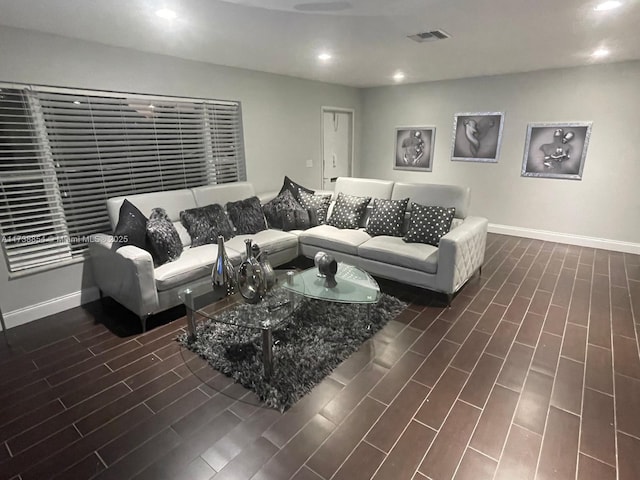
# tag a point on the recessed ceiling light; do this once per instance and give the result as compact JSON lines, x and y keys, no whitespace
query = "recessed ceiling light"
{"x":166,"y":14}
{"x":324,"y":56}
{"x":599,"y":53}
{"x":398,"y":76}
{"x":609,"y":5}
{"x":76,"y":102}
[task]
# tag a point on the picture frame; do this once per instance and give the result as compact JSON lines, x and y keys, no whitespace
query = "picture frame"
{"x":556,"y":150}
{"x":477,"y":137}
{"x":414,"y":148}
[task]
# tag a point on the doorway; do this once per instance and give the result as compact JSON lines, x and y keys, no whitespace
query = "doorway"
{"x":337,"y":145}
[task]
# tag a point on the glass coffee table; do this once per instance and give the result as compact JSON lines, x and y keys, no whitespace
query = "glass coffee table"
{"x":354,"y":285}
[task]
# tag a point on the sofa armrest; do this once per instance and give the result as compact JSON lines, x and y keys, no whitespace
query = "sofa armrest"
{"x":461,"y":253}
{"x":126,"y":274}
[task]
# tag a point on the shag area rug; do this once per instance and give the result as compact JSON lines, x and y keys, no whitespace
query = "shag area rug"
{"x":317,"y":338}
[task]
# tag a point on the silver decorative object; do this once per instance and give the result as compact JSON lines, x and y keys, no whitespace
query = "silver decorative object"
{"x":327,"y":267}
{"x":251,"y":281}
{"x":223,"y":275}
{"x":267,"y":270}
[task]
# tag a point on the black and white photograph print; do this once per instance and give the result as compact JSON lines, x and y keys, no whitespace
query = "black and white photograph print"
{"x":556,"y":150}
{"x":414,"y":148}
{"x":477,"y":137}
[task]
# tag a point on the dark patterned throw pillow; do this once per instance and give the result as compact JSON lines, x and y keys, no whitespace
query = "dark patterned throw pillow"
{"x":204,"y":224}
{"x":428,"y":224}
{"x":273,"y":210}
{"x":319,"y":202}
{"x":294,"y":188}
{"x":387,"y":217}
{"x":247,"y":216}
{"x":348,"y":211}
{"x":163,"y":238}
{"x":131,"y":228}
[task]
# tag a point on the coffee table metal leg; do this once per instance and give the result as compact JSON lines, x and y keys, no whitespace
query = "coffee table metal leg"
{"x":191,"y":315}
{"x":267,"y":352}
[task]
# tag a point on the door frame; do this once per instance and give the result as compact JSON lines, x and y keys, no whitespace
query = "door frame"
{"x":328,"y":109}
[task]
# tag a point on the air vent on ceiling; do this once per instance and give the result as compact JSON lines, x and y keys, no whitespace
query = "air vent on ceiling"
{"x":431,"y":36}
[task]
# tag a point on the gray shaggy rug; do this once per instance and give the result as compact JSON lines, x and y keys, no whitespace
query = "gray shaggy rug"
{"x":318,"y":337}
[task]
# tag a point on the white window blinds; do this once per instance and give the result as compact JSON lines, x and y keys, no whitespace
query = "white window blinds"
{"x":31,"y":218}
{"x":97,"y":145}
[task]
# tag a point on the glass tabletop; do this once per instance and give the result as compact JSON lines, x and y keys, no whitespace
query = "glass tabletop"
{"x":273,"y":310}
{"x":354,"y":285}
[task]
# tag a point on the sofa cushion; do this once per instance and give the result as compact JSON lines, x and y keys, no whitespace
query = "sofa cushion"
{"x":163,"y":238}
{"x":132,"y":227}
{"x":332,"y":238}
{"x":247,"y":215}
{"x":387,"y":217}
{"x":348,"y":211}
{"x":194,"y":263}
{"x":393,"y":250}
{"x":277,"y":209}
{"x":204,"y":224}
{"x":272,"y":241}
{"x":428,"y":224}
{"x":318,"y":202}
{"x":294,"y":188}
{"x":432,"y":194}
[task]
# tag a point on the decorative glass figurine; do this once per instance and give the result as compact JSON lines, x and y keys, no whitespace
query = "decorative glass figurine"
{"x":251,"y":280}
{"x":223,"y":275}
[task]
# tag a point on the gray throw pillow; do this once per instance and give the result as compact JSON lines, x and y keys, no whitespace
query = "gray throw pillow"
{"x":387,"y":217}
{"x":348,"y":211}
{"x":247,"y":216}
{"x":319,"y":202}
{"x":273,"y":210}
{"x":163,"y":238}
{"x":204,"y":224}
{"x":428,"y":224}
{"x":131,"y":228}
{"x":294,"y":188}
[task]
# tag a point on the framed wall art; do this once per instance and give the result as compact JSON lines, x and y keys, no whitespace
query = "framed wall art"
{"x":477,"y":137}
{"x":414,"y":148}
{"x":556,"y":150}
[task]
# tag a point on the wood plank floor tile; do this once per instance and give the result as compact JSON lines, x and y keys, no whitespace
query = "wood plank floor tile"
{"x":449,"y":446}
{"x":627,"y":395}
{"x":534,"y":402}
{"x":567,"y":388}
{"x":559,"y":446}
{"x":391,"y":424}
{"x":362,"y":463}
{"x":475,"y":466}
{"x":520,"y":455}
{"x":575,"y":343}
{"x":441,"y":398}
{"x":328,"y":458}
{"x":628,"y":457}
{"x":598,"y":434}
{"x":493,"y":427}
{"x":502,"y":339}
{"x":516,"y":366}
{"x":436,"y":363}
{"x":591,"y":469}
{"x":599,"y":373}
{"x":481,"y":381}
{"x":406,"y":455}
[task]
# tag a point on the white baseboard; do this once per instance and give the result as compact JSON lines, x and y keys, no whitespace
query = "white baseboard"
{"x":55,"y":305}
{"x":580,"y":240}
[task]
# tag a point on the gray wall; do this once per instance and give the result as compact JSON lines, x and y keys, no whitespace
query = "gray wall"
{"x":605,"y":204}
{"x":282,"y":118}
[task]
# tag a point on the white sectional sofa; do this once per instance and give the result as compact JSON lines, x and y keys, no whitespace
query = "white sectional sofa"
{"x":127,"y":274}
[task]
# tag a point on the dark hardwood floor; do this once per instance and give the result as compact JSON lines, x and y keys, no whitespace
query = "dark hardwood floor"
{"x":533,"y":372}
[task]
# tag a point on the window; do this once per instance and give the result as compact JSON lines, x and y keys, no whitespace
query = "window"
{"x":64,"y":152}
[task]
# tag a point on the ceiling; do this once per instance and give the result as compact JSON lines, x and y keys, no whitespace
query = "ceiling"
{"x":366,"y":38}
